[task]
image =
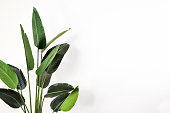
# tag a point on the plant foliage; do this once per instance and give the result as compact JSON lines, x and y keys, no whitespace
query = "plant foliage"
{"x":64,"y":94}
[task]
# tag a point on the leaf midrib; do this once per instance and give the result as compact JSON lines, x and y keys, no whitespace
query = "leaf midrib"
{"x":57,"y":92}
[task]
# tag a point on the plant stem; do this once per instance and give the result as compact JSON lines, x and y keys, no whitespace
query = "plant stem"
{"x":36,"y":100}
{"x":29,"y":91}
{"x":23,"y":100}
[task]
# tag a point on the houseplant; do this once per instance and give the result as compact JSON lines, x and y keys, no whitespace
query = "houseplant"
{"x":64,"y":94}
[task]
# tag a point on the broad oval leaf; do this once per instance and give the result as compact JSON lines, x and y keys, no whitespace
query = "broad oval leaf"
{"x":28,"y":51}
{"x":11,"y":97}
{"x":8,"y":76}
{"x":47,"y":78}
{"x":38,"y":30}
{"x":58,"y":89}
{"x":58,"y":57}
{"x":22,"y":83}
{"x":60,"y":34}
{"x":57,"y":102}
{"x":47,"y":61}
{"x":70,"y":100}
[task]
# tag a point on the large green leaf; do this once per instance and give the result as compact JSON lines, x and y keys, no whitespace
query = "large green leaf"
{"x":60,"y":34}
{"x":8,"y":76}
{"x":58,"y":57}
{"x":47,"y":61}
{"x":28,"y":52}
{"x":38,"y":30}
{"x":22,"y":83}
{"x":58,"y":89}
{"x":70,"y":100}
{"x":12,"y":98}
{"x":57,"y":102}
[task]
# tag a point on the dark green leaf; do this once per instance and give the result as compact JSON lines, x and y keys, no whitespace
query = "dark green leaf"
{"x":38,"y":30}
{"x":58,"y":89}
{"x":57,"y":102}
{"x":70,"y":100}
{"x":22,"y":83}
{"x":12,"y":98}
{"x":8,"y":76}
{"x":28,"y":52}
{"x":47,"y":78}
{"x":60,"y":34}
{"x":58,"y":57}
{"x":47,"y":61}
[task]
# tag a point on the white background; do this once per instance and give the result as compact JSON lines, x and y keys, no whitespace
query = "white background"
{"x":119,"y":54}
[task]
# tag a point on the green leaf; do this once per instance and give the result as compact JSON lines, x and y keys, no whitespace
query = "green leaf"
{"x":60,"y":34}
{"x":47,"y":78}
{"x":70,"y":100}
{"x":58,"y":57}
{"x":57,"y":102}
{"x":22,"y":83}
{"x":47,"y":61}
{"x":8,"y":76}
{"x":58,"y":89}
{"x":38,"y":30}
{"x":12,"y":98}
{"x":28,"y":52}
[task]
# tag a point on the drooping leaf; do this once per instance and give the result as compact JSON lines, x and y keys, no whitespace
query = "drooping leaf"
{"x":8,"y":76}
{"x":28,"y":52}
{"x":70,"y":100}
{"x":47,"y":61}
{"x":45,"y":76}
{"x":60,"y":34}
{"x":58,"y":89}
{"x":57,"y":102}
{"x":58,"y":57}
{"x":38,"y":30}
{"x":22,"y":83}
{"x":11,"y":97}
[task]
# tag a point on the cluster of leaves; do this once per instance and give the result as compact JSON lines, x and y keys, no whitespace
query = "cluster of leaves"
{"x":64,"y":95}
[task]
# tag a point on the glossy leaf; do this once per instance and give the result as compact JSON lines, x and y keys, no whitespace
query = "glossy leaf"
{"x":47,"y":61}
{"x":47,"y":78}
{"x":22,"y":83}
{"x":11,"y":97}
{"x":57,"y":102}
{"x":28,"y":51}
{"x":58,"y":89}
{"x":70,"y":100}
{"x":60,"y":34}
{"x":58,"y":57}
{"x":8,"y":76}
{"x":38,"y":30}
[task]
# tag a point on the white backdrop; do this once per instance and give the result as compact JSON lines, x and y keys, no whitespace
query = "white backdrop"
{"x":119,"y":54}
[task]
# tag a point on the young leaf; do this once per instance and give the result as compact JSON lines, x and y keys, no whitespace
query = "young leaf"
{"x":57,"y":102}
{"x":22,"y":83}
{"x":28,"y":52}
{"x":47,"y":78}
{"x":38,"y":30}
{"x":47,"y":61}
{"x":11,"y":97}
{"x":70,"y":100}
{"x":58,"y":57}
{"x":8,"y":76}
{"x":58,"y":89}
{"x":60,"y":34}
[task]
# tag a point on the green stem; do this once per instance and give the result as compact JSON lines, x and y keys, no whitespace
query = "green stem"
{"x":36,"y":99}
{"x":23,"y":100}
{"x":29,"y":91}
{"x":60,"y":34}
